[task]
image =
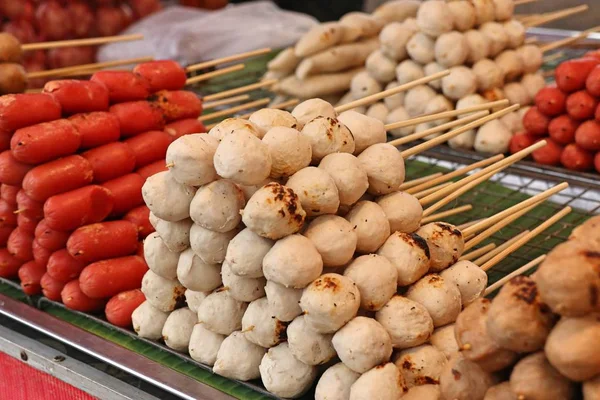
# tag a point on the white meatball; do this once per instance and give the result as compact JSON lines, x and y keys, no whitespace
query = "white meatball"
{"x":366,"y":130}
{"x":347,"y":173}
{"x":533,"y":83}
{"x":403,"y":211}
{"x":484,"y":11}
{"x":335,"y":383}
{"x":445,"y":242}
{"x":421,"y":48}
{"x":434,"y":68}
{"x":327,"y":136}
{"x":411,"y":23}
{"x":308,"y":346}
{"x":440,"y":298}
{"x":243,"y":158}
{"x":274,"y":211}
{"x":193,"y":299}
{"x":209,"y":245}
{"x":217,"y":206}
{"x":245,"y":254}
{"x":420,"y":365}
{"x":260,"y":326}
{"x":384,"y":380}
{"x":231,"y":125}
{"x":511,"y":64}
{"x":284,"y":302}
{"x":161,"y":293}
{"x":293,"y":262}
{"x":416,"y":99}
{"x":497,"y":35}
{"x":178,"y":329}
{"x":334,"y":238}
{"x":434,"y":18}
{"x":148,"y":321}
{"x":175,"y":235}
{"x":512,"y":122}
{"x":470,"y":279}
{"x":395,"y":100}
{"x":377,"y":111}
{"x":515,"y":31}
{"x":195,"y":274}
{"x":311,"y":109}
{"x":364,"y":85}
{"x":465,"y":140}
{"x":267,"y":118}
{"x":445,"y":341}
{"x":371,"y":226}
{"x":190,"y":159}
{"x":464,"y":380}
{"x":376,"y":279}
{"x":459,"y":83}
{"x":437,"y":105}
{"x":221,"y":313}
{"x":532,"y":58}
{"x":407,"y":322}
{"x":479,"y":45}
{"x":249,"y":190}
{"x":429,"y":392}
{"x":204,"y":345}
{"x":516,"y":93}
{"x":451,"y":49}
{"x":397,"y":115}
{"x":504,"y":9}
{"x":316,"y":190}
{"x":238,"y":358}
{"x":493,"y":138}
{"x":285,"y":376}
{"x":384,"y":166}
{"x":463,"y":14}
{"x":393,"y":38}
{"x":166,"y":198}
{"x":159,"y":258}
{"x":242,"y":288}
{"x":469,"y":101}
{"x":290,"y":151}
{"x":330,"y":302}
{"x":409,"y":253}
{"x":380,"y":67}
{"x":489,"y":75}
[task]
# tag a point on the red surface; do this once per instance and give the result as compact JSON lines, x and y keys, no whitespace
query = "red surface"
{"x":40,"y":386}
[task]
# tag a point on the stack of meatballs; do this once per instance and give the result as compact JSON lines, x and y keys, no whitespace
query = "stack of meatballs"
{"x":540,"y":332}
{"x":281,"y":245}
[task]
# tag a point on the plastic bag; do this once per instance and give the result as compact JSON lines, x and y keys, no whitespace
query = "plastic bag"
{"x":189,"y":35}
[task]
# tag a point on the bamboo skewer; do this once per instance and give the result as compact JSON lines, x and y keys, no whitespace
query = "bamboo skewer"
{"x":240,"y":90}
{"x":232,"y":110}
{"x":568,"y":41}
{"x":279,"y":106}
{"x":106,"y":64}
{"x":531,"y":40}
{"x":214,"y":74}
{"x":492,"y":253}
{"x":477,"y":253}
{"x":468,"y":224}
{"x":556,"y":16}
{"x":536,"y":231}
{"x":520,"y":2}
{"x":448,"y":213}
{"x":415,"y":182}
{"x":530,"y":265}
{"x":553,"y":57}
{"x":224,"y":102}
{"x":434,"y":189}
{"x":223,"y":60}
{"x":81,"y":42}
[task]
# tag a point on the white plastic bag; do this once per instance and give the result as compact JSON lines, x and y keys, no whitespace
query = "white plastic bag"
{"x":190,"y":35}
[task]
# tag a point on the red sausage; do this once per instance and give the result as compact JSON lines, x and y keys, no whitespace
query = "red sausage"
{"x":103,"y":240}
{"x":49,"y":238}
{"x":51,"y":288}
{"x":5,"y":234}
{"x":162,"y":74}
{"x":576,"y":158}
{"x":572,"y":75}
{"x":562,"y":129}
{"x":151,"y":169}
{"x":20,"y":244}
{"x":5,"y":137}
{"x":587,"y":135}
{"x":110,"y":161}
{"x":592,"y":83}
{"x":45,"y":142}
{"x":21,"y":110}
{"x":77,"y":96}
{"x":30,"y":275}
{"x":140,"y":216}
{"x":58,"y":176}
{"x":29,"y":207}
{"x":9,"y":264}
{"x":123,"y":85}
{"x":109,"y":277}
{"x":184,"y":127}
{"x":120,"y":308}
{"x":63,"y":267}
{"x":74,"y":298}
{"x":26,"y":223}
{"x":149,"y":147}
{"x":581,"y":106}
{"x":597,"y":162}
{"x":8,"y":193}
{"x":84,"y":206}
{"x":535,"y":122}
{"x":178,"y":104}
{"x":549,"y":154}
{"x":40,"y":254}
{"x":137,"y":117}
{"x":550,"y":101}
{"x":8,"y":218}
{"x":96,"y":128}
{"x":12,"y":171}
{"x":126,"y":192}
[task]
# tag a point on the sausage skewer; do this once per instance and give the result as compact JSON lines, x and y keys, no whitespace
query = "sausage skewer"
{"x":520,"y":271}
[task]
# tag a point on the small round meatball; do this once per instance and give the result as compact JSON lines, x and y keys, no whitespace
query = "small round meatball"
{"x":259,"y":325}
{"x":407,"y":322}
{"x":217,"y":206}
{"x":231,"y":125}
{"x":284,"y":375}
{"x":293,"y":262}
{"x":440,"y":298}
{"x":470,"y":279}
{"x":159,"y":258}
{"x":501,"y":391}
{"x":380,"y":67}
{"x":497,"y":36}
{"x":484,"y":11}
{"x":376,"y":279}
{"x":243,"y":158}
{"x":163,"y":294}
{"x":513,"y":122}
{"x":479,"y":46}
{"x":327,"y":136}
{"x":377,"y":111}
{"x":178,"y":329}
{"x":316,"y":190}
{"x":445,"y":242}
{"x":515,"y":31}
{"x":451,"y":49}
{"x":221,"y":313}
{"x":284,"y":302}
{"x":311,"y":109}
{"x":209,"y":245}
{"x":409,"y":253}
{"x":245,"y":252}
{"x":194,"y":299}
{"x":462,"y":379}
{"x":445,"y":341}
{"x":489,"y":75}
{"x":403,"y":210}
{"x":493,"y":138}
{"x":195,"y":274}
{"x":408,"y":71}
{"x":166,"y":198}
{"x":532,"y":58}
{"x":516,"y":93}
{"x":384,"y":166}
{"x":308,"y":346}
{"x":13,"y":78}
{"x":463,"y":14}
{"x":148,"y":321}
{"x":421,"y":48}
{"x":335,"y":383}
{"x":229,"y":363}
{"x":334,"y":238}
{"x":371,"y":226}
{"x":350,"y":178}
{"x":511,"y":65}
{"x":364,"y":85}
{"x":420,"y":365}
{"x":290,"y":151}
{"x":430,"y":392}
{"x":534,"y":378}
{"x":417,"y":98}
{"x":242,"y":288}
{"x":397,"y":115}
{"x":267,"y":118}
{"x":393,"y":38}
{"x":395,"y":100}
{"x":10,"y":49}
{"x":459,"y":83}
{"x":434,"y":18}
{"x":191,"y":159}
{"x":366,"y":130}
{"x":204,"y":345}
{"x":434,"y":68}
{"x":504,"y":9}
{"x":384,"y":381}
{"x":175,"y":235}
{"x":533,"y":83}
{"x":437,"y":105}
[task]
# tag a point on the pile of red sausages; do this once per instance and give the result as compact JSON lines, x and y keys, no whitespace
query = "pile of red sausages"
{"x":567,"y":116}
{"x":73,"y":163}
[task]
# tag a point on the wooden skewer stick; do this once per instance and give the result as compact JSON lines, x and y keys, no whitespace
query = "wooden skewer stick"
{"x":415,"y":182}
{"x":511,"y":210}
{"x":223,"y":60}
{"x":530,"y":265}
{"x":556,"y":16}
{"x":553,"y":57}
{"x":240,"y":90}
{"x":568,"y":41}
{"x":224,"y":102}
{"x":214,"y":74}
{"x":434,"y":189}
{"x":468,"y":224}
{"x":88,"y":72}
{"x":486,"y":257}
{"x":531,"y":40}
{"x":479,"y":252}
{"x":520,"y":2}
{"x":539,"y":229}
{"x":80,"y":42}
{"x":439,"y":128}
{"x":233,"y":110}
{"x":279,"y":106}
{"x":446,"y":114}
{"x":106,"y":64}
{"x":36,"y":90}
{"x":448,"y":213}
{"x":454,"y":174}
{"x":390,"y":92}
{"x":453,"y":133}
